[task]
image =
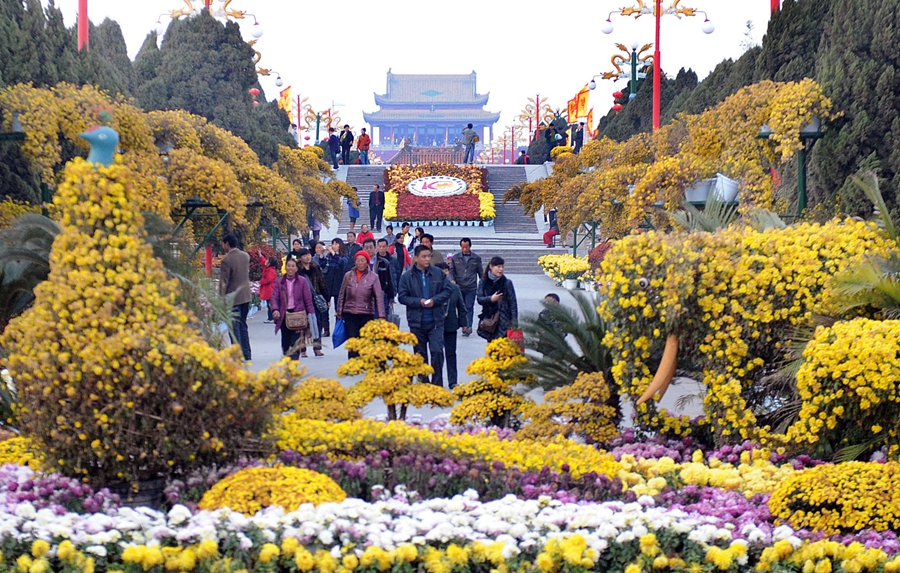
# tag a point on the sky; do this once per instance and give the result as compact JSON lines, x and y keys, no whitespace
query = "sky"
{"x":338,"y":53}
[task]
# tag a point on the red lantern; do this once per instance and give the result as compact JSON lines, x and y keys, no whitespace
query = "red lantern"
{"x":256,"y":103}
{"x":306,"y":138}
{"x":254,"y":92}
{"x":617,"y":107}
{"x":617,"y":95}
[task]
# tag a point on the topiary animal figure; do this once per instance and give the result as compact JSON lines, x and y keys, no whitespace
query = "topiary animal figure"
{"x":114,"y":383}
{"x":725,"y":304}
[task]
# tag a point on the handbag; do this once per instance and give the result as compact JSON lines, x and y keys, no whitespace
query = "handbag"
{"x":490,"y":324}
{"x":294,"y":320}
{"x":339,"y":334}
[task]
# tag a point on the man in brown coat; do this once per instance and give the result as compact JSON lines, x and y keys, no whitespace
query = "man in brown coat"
{"x":234,"y":277}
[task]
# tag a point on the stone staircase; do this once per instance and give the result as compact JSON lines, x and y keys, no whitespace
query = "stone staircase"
{"x":514,"y":236}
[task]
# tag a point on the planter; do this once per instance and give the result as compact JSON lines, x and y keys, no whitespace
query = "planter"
{"x":150,"y":493}
{"x":570,"y":284}
{"x":699,"y":191}
{"x":726,"y":188}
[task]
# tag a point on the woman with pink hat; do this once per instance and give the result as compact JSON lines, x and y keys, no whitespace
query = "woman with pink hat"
{"x":360,"y":298}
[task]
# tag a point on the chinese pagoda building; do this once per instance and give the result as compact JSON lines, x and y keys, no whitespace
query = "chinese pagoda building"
{"x":429,"y":110}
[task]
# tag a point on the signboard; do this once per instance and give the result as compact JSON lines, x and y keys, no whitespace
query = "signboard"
{"x":437,"y":186}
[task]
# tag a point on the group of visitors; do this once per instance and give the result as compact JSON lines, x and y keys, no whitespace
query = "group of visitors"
{"x":343,"y":143}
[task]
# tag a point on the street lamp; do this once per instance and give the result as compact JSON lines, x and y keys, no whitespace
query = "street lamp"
{"x":810,"y":132}
{"x":18,"y":135}
{"x":657,"y":11}
{"x":637,"y":57}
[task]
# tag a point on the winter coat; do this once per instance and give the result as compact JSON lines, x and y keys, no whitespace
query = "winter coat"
{"x":267,"y":283}
{"x":363,"y":142}
{"x":509,"y":308}
{"x":316,"y":278}
{"x":466,"y":275}
{"x":411,"y":295}
{"x":456,"y":310}
{"x":360,"y":296}
{"x":347,"y":139}
{"x":384,"y":267}
{"x":335,"y":273}
{"x":302,"y":299}
{"x":334,"y":144}
{"x":352,"y":210}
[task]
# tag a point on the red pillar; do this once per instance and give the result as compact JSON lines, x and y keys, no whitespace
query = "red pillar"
{"x":776,"y":6}
{"x":83,"y":39}
{"x":207,"y":260}
{"x":208,"y":3}
{"x":656,"y":68}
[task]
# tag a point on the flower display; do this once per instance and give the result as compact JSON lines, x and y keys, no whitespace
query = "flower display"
{"x":11,"y":208}
{"x":850,"y":396}
{"x":841,"y":497}
{"x":107,"y":363}
{"x":475,"y":204}
{"x":252,"y":489}
{"x":562,"y":267}
{"x":390,"y":371}
{"x":491,"y":397}
{"x":321,"y":399}
{"x":729,"y":299}
{"x":358,"y":438}
{"x":580,"y":408}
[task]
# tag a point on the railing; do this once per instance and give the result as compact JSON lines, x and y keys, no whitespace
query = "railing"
{"x":420,"y":155}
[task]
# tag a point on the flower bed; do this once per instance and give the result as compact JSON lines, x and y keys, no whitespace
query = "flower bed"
{"x":474,"y":205}
{"x":562,"y":267}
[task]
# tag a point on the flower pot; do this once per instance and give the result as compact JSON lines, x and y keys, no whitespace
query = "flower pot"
{"x":699,"y":191}
{"x":726,"y":188}
{"x":570,"y":284}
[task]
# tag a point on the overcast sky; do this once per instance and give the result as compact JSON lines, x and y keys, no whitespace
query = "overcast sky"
{"x":339,"y":52}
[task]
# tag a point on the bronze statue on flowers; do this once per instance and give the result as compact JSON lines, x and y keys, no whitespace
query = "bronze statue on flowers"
{"x":723,"y":307}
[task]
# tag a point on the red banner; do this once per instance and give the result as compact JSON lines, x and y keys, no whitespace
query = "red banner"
{"x":284,"y":102}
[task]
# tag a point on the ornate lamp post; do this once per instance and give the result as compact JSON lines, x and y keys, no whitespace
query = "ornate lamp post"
{"x":657,"y":11}
{"x":810,"y":132}
{"x":638,"y":61}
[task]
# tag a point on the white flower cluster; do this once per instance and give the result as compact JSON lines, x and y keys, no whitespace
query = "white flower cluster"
{"x":521,"y":525}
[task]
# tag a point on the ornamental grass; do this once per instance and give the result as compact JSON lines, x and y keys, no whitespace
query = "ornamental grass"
{"x":253,"y":489}
{"x":115,"y":382}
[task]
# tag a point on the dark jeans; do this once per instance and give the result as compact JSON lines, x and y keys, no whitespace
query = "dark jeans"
{"x":239,"y":325}
{"x":354,"y":323}
{"x":450,"y":357}
{"x":470,"y":153}
{"x":469,"y":299}
{"x":269,"y":311}
{"x":345,"y":155}
{"x":431,"y":345}
{"x":334,"y":159}
{"x":375,"y":217}
{"x":288,"y":338}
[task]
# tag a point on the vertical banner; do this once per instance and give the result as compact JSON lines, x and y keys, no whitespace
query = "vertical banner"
{"x":284,"y":102}
{"x":573,"y":110}
{"x":582,"y":101}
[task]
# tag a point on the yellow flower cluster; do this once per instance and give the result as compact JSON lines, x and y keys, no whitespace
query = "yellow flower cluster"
{"x":755,"y":474}
{"x":560,"y":150}
{"x":825,"y":557}
{"x":848,"y":385}
{"x":390,"y":371}
{"x":321,"y":399}
{"x":491,"y":397}
{"x":106,"y":362}
{"x":486,"y":209}
{"x":561,"y":267}
{"x":10,"y":209}
{"x":390,"y":205}
{"x":731,"y":298}
{"x":562,"y":553}
{"x":361,"y":437}
{"x":253,"y":489}
{"x":842,"y":497}
{"x":581,"y":408}
{"x":21,"y":451}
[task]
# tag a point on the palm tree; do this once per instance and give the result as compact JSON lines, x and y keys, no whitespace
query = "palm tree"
{"x":561,"y":342}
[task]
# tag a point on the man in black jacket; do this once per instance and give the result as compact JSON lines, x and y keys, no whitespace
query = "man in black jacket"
{"x":456,"y":317}
{"x":424,"y":291}
{"x":346,"y":143}
{"x":465,"y":270}
{"x":376,"y":208}
{"x":384,"y":266}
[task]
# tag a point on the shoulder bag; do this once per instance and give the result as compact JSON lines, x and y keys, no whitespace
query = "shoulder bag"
{"x":490,"y":323}
{"x":294,"y":320}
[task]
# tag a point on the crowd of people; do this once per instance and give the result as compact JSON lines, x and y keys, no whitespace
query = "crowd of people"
{"x":364,"y":278}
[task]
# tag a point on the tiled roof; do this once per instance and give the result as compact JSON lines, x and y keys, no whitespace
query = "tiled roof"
{"x":431,"y":88}
{"x":438,"y":116}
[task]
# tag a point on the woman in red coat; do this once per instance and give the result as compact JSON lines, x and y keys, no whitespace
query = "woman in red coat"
{"x":267,"y":283}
